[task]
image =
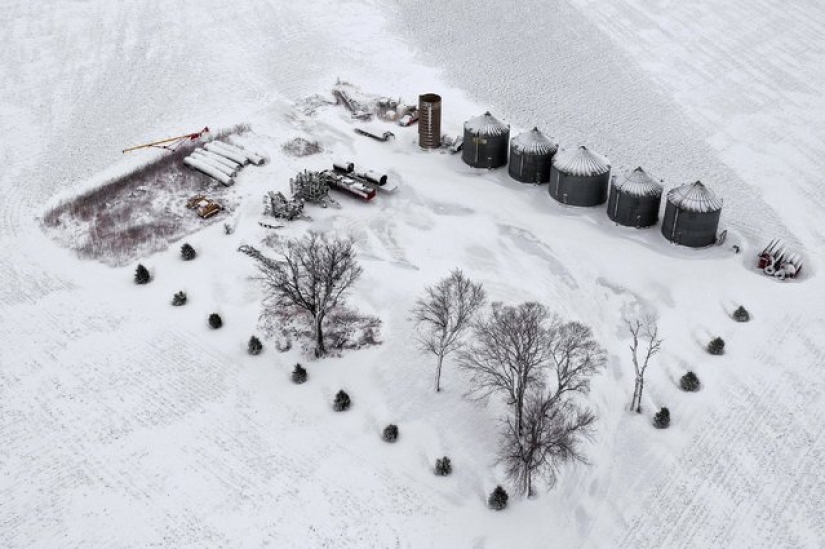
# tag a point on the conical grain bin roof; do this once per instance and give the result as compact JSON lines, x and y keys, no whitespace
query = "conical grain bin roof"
{"x":582,"y":162}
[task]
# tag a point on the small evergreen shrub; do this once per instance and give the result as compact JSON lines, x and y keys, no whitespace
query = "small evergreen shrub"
{"x":342,"y":402}
{"x":498,"y":499}
{"x":187,"y":252}
{"x":443,"y":467}
{"x":716,"y":346}
{"x":255,"y":346}
{"x":689,"y":382}
{"x":741,"y":314}
{"x":390,"y":433}
{"x":142,"y":275}
{"x":179,"y":299}
{"x":662,"y":419}
{"x":215,"y":321}
{"x":299,"y":374}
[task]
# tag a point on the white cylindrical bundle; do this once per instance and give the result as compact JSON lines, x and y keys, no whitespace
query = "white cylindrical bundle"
{"x":376,"y":178}
{"x":208,"y":170}
{"x":213,"y":147}
{"x":343,"y":167}
{"x":222,"y":159}
{"x":254,"y":158}
{"x":231,"y":172}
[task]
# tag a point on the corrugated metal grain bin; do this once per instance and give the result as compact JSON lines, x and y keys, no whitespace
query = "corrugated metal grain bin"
{"x":486,"y":140}
{"x":580,"y":177}
{"x":635,"y":201}
{"x":692,"y":215}
{"x":429,"y":121}
{"x":531,"y":157}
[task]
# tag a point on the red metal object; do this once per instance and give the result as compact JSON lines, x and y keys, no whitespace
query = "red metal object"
{"x":171,"y":143}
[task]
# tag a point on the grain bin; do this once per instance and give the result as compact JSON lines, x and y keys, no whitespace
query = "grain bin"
{"x":692,"y":215}
{"x":485,"y":142}
{"x":429,"y":121}
{"x":635,"y":201}
{"x":580,"y":177}
{"x":531,"y":157}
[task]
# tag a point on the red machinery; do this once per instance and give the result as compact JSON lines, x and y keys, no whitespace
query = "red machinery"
{"x":171,"y":143}
{"x":776,"y":261}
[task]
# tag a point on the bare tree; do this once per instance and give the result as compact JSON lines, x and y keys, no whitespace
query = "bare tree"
{"x":509,"y":349}
{"x":444,"y":314}
{"x":312,"y":275}
{"x":646,"y":333}
{"x":576,"y":357}
{"x":550,"y":436}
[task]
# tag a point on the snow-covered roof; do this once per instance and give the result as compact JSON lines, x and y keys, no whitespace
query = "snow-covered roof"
{"x":694,"y":197}
{"x":581,"y":161}
{"x":639,"y":183}
{"x":486,"y":124}
{"x":534,"y":142}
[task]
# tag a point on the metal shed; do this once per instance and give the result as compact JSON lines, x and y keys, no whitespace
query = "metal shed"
{"x":579,"y":177}
{"x":485,"y":142}
{"x":429,"y":121}
{"x":531,"y":157}
{"x":692,"y":215}
{"x":635,"y":201}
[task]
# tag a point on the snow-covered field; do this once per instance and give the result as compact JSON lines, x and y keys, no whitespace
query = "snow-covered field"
{"x":125,"y":422}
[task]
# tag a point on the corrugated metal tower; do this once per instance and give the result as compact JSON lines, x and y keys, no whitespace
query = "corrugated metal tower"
{"x":580,"y":177}
{"x":485,"y":142}
{"x":635,"y":201}
{"x":429,"y":121}
{"x":692,"y":215}
{"x":531,"y":157}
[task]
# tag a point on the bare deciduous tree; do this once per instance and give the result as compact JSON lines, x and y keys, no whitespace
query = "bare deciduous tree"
{"x":645,"y":332}
{"x":509,"y":349}
{"x":444,"y":314}
{"x":550,"y":436}
{"x":312,"y":275}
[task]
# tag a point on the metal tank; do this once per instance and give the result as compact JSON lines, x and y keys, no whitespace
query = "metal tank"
{"x":429,"y":121}
{"x":692,"y":215}
{"x":579,"y":177}
{"x":531,"y":157}
{"x":635,"y":201}
{"x":486,"y":140}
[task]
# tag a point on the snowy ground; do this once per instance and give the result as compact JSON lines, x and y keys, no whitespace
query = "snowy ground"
{"x":127,"y":423}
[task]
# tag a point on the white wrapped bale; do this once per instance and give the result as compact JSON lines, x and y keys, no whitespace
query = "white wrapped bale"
{"x":231,"y":172}
{"x":254,"y":158}
{"x":213,"y":147}
{"x":222,"y":159}
{"x":208,"y":170}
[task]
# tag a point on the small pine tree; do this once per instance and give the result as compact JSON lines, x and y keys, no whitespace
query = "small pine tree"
{"x":498,"y":499}
{"x":741,"y":314}
{"x":187,"y":252}
{"x":179,"y":299}
{"x":443,"y":467}
{"x":390,"y":433}
{"x":142,"y":275}
{"x":342,"y":402}
{"x":662,"y":419}
{"x":716,"y":346}
{"x":689,"y":382}
{"x":255,"y":346}
{"x":299,"y":374}
{"x":215,"y":321}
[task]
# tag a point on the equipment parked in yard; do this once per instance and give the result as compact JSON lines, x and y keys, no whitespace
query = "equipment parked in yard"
{"x":204,"y":207}
{"x":311,"y":187}
{"x":351,"y":186}
{"x":375,"y":180}
{"x":410,"y":118}
{"x":277,"y":205}
{"x":171,"y":143}
{"x":776,"y":261}
{"x":384,"y":137}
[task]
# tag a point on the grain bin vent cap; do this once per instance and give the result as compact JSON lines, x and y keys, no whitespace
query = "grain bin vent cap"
{"x":535,"y":142}
{"x":486,"y":124}
{"x":639,"y":183}
{"x":694,"y":197}
{"x":582,"y":162}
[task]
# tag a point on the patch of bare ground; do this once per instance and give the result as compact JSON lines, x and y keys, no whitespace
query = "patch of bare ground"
{"x":140,"y":212}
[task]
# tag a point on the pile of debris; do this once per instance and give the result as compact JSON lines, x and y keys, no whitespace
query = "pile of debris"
{"x":203,"y":206}
{"x":221,"y":161}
